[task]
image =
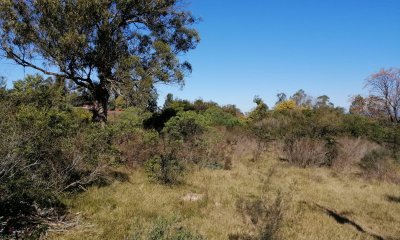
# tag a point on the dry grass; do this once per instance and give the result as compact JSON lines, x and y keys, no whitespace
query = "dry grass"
{"x":351,"y":151}
{"x":306,"y":152}
{"x":125,"y":210}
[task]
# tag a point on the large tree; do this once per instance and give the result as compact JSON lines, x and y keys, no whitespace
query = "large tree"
{"x":385,"y":86}
{"x":101,"y":45}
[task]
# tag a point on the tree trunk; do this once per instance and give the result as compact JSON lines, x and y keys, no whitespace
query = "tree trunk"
{"x":100,"y":104}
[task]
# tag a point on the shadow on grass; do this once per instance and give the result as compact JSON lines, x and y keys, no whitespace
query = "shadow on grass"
{"x":393,"y":199}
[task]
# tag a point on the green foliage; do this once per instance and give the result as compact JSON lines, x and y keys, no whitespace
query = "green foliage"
{"x":95,"y":144}
{"x":120,"y":102}
{"x":362,"y":126}
{"x":218,"y":117}
{"x":131,"y":45}
{"x":131,"y":118}
{"x":181,"y":105}
{"x":260,"y":111}
{"x":165,"y":169}
{"x":45,"y":151}
{"x":36,"y":91}
{"x":233,"y":110}
{"x":323,"y":102}
{"x":82,"y":115}
{"x":184,"y":126}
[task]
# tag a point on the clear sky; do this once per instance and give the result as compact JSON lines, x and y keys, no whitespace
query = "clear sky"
{"x":262,"y":47}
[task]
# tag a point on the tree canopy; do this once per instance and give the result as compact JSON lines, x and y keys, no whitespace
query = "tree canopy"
{"x":103,"y":46}
{"x":385,"y":86}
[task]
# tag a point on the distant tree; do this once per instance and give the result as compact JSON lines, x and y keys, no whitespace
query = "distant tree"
{"x":385,"y":85}
{"x":168,"y":100}
{"x":358,"y":105}
{"x":3,"y":82}
{"x":371,"y":106}
{"x":375,"y":107}
{"x":323,"y":101}
{"x":302,"y":99}
{"x":200,"y":105}
{"x":3,"y":86}
{"x":232,"y":109}
{"x":281,"y":98}
{"x":100,"y":45}
{"x":260,"y":111}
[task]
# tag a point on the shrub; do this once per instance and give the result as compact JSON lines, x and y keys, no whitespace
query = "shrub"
{"x":266,"y":218}
{"x":361,"y":126}
{"x":185,"y":126}
{"x":218,"y":149}
{"x":351,"y":150}
{"x":165,"y":169}
{"x":218,"y":117}
{"x":169,"y":230}
{"x":306,"y":152}
{"x":260,"y":111}
{"x":45,"y":151}
{"x":182,"y":136}
{"x":286,"y":105}
{"x":378,"y":164}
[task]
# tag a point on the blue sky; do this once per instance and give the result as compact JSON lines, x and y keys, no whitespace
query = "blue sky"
{"x":262,"y":47}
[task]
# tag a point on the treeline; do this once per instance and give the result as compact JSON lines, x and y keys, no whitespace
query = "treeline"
{"x":50,"y":148}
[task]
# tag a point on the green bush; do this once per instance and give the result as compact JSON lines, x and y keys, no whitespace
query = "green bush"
{"x":46,"y":150}
{"x":218,"y":117}
{"x":185,"y":126}
{"x":165,"y":169}
{"x":361,"y":126}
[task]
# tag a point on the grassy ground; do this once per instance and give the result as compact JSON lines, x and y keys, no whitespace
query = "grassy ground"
{"x":137,"y":209}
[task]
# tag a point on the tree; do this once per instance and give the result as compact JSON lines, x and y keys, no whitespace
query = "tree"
{"x":168,"y":100}
{"x":260,"y":111}
{"x":301,"y":99}
{"x":323,"y":102}
{"x":385,"y":85}
{"x":281,"y":98}
{"x":358,"y":105}
{"x":100,"y":45}
{"x":3,"y":86}
{"x":375,"y":107}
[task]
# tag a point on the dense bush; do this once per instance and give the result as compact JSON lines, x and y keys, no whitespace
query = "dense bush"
{"x":378,"y":164}
{"x":218,"y":117}
{"x":305,"y":152}
{"x":265,"y":217}
{"x":351,"y":150}
{"x":45,"y":151}
{"x":166,"y":169}
{"x":185,"y":126}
